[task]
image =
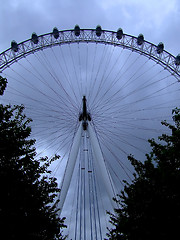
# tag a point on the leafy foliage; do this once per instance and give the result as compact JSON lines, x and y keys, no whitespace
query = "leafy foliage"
{"x":28,"y":203}
{"x":150,"y":205}
{"x":3,"y":84}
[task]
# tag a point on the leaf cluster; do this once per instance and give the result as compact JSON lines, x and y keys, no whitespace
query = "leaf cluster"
{"x":28,"y":203}
{"x":3,"y":85}
{"x":150,"y":205}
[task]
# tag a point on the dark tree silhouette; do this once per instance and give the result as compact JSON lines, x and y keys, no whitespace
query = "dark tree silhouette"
{"x":28,"y":202}
{"x":150,"y":205}
{"x":3,"y":84}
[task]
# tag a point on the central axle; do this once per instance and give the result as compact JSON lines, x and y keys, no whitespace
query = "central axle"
{"x":84,"y":115}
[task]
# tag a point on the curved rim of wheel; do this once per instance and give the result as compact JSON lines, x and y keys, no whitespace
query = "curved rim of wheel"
{"x":77,"y":35}
{"x":112,"y":99}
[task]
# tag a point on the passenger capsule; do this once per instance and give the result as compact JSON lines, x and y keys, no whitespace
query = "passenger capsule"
{"x":55,"y":33}
{"x":34,"y":38}
{"x":119,"y":33}
{"x":77,"y":30}
{"x":160,"y":48}
{"x":140,"y":39}
{"x":177,"y":60}
{"x":98,"y":31}
{"x":14,"y":46}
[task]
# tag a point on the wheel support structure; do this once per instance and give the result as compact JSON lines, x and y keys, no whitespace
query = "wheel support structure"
{"x":86,"y":125}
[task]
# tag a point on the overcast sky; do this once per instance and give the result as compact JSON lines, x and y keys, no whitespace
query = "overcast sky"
{"x":157,"y":20}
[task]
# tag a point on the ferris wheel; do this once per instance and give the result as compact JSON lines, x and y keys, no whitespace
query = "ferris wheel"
{"x":95,"y":96}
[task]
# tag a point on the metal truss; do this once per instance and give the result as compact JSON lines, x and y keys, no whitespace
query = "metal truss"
{"x":164,"y":58}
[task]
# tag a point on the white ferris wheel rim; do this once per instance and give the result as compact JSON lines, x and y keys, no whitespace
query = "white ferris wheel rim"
{"x":126,"y":41}
{"x":104,"y":37}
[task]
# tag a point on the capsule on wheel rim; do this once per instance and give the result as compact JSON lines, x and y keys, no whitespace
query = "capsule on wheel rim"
{"x":55,"y":33}
{"x":77,"y":30}
{"x":34,"y":38}
{"x":140,"y":39}
{"x":119,"y":33}
{"x":98,"y":31}
{"x":14,"y":46}
{"x":177,"y":60}
{"x":160,"y":48}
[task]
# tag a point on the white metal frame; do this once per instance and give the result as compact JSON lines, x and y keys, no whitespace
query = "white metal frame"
{"x":147,"y":49}
{"x":98,"y":157}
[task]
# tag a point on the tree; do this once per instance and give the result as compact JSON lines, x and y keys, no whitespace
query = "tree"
{"x":3,"y":84}
{"x":28,"y":202}
{"x":150,"y":205}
